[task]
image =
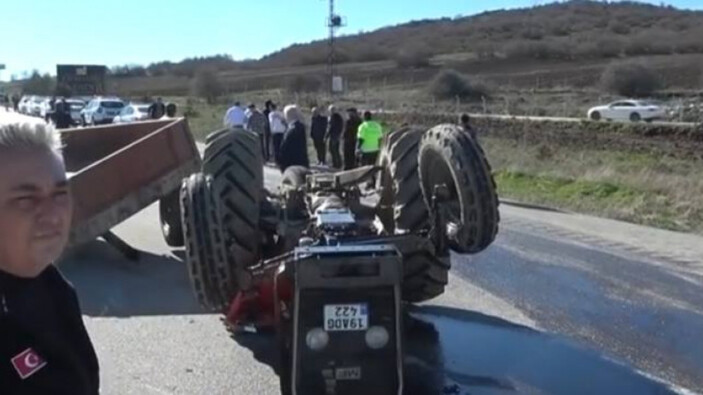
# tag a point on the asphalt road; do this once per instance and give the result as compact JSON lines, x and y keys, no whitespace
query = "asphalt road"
{"x":546,"y":309}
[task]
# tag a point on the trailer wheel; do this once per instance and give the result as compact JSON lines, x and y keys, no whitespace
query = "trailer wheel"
{"x":234,"y":160}
{"x":207,"y":257}
{"x":449,"y":156}
{"x":170,"y":218}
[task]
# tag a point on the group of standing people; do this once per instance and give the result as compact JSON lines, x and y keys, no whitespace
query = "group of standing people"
{"x":359,"y":139}
{"x":282,"y":133}
{"x":349,"y":142}
{"x":332,"y":132}
{"x":158,"y":109}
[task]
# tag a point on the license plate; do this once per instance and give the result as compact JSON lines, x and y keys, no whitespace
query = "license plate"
{"x":346,"y":317}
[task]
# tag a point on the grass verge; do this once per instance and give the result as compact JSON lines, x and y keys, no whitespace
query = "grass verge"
{"x":647,"y":189}
{"x":593,"y":197}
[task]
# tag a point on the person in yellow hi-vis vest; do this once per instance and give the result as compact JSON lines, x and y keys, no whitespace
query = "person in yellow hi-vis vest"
{"x":369,"y":140}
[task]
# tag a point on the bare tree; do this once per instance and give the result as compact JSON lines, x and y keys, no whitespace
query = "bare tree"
{"x":207,"y":85}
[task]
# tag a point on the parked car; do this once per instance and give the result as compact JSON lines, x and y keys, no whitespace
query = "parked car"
{"x":132,"y":112}
{"x":76,"y":107}
{"x":23,"y":105}
{"x":35,"y":105}
{"x":627,"y":110}
{"x":101,"y":110}
{"x":45,"y":108}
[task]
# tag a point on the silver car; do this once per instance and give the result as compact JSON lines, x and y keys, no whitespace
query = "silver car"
{"x":101,"y":110}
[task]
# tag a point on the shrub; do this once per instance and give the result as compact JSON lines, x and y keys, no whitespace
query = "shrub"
{"x":449,"y":84}
{"x":609,"y":48}
{"x":413,"y":59}
{"x":619,"y":28}
{"x":207,"y":85}
{"x":532,"y":33}
{"x":650,"y":44}
{"x":304,"y":83}
{"x":560,"y":28}
{"x":630,"y":79}
{"x":370,"y":55}
{"x":542,"y":50}
{"x":601,"y":49}
{"x":485,"y":51}
{"x":690,"y":43}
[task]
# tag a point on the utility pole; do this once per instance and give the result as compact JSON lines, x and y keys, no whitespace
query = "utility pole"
{"x":334,"y":22}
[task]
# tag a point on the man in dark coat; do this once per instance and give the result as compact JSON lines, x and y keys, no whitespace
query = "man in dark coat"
{"x":294,"y":146}
{"x":350,"y":131}
{"x":16,"y":102}
{"x":267,"y":132}
{"x":62,"y":114}
{"x":465,"y":122}
{"x":335,"y":126}
{"x":44,"y":346}
{"x":318,"y":128}
{"x":157,"y":109}
{"x":256,"y":122}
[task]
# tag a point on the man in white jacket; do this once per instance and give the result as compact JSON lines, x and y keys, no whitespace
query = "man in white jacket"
{"x":234,"y":117}
{"x":278,"y":128}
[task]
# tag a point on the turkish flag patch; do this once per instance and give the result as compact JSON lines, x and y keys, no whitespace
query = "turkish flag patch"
{"x":27,"y":363}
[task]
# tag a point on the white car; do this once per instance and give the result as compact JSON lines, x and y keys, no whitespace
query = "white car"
{"x":101,"y":110}
{"x":132,"y":112}
{"x":45,"y":108}
{"x":35,"y":105}
{"x":627,"y":110}
{"x":23,"y":105}
{"x":76,"y":107}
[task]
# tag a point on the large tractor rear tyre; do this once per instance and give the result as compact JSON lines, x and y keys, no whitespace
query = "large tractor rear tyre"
{"x":207,"y":257}
{"x":449,"y":156}
{"x":424,"y":273}
{"x":384,"y":161}
{"x":235,"y":162}
{"x":410,"y":214}
{"x":170,"y":218}
{"x":214,"y":135}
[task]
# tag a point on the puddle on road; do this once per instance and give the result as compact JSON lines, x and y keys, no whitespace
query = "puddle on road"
{"x":451,"y":351}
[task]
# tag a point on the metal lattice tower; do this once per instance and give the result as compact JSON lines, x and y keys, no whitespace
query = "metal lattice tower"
{"x":334,"y":22}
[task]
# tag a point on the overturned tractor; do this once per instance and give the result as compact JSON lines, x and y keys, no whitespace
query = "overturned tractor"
{"x":329,"y":263}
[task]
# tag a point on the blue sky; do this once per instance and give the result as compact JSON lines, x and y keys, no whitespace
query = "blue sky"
{"x":38,"y":34}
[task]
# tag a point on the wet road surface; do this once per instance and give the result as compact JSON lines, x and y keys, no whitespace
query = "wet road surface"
{"x":630,"y":306}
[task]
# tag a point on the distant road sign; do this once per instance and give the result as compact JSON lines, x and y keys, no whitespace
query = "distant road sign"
{"x":82,"y":79}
